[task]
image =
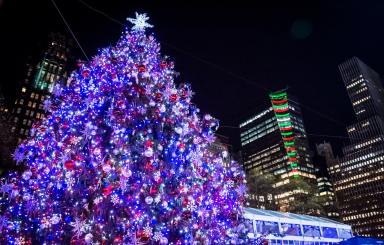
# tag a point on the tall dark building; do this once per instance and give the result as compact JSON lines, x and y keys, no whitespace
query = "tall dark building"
{"x":359,"y":180}
{"x":42,"y":75}
{"x":323,"y":159}
{"x":264,"y":150}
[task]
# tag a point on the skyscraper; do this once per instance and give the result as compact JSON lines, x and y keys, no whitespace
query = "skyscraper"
{"x":278,"y":145}
{"x":359,"y":183}
{"x":42,"y":75}
{"x":323,"y":160}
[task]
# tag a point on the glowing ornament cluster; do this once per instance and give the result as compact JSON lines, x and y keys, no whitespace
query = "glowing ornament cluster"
{"x":122,"y":158}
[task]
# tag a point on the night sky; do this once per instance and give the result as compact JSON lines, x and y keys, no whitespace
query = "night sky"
{"x":231,"y":54}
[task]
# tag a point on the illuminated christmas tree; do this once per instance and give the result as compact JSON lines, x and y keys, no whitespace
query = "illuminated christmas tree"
{"x":122,"y":159}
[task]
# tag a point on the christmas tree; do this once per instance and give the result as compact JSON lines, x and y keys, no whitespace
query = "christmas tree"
{"x":122,"y":159}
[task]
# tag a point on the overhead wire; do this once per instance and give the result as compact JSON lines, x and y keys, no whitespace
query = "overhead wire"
{"x":237,"y":76}
{"x":319,"y":113}
{"x":70,"y":30}
{"x":202,"y":60}
{"x":311,"y":134}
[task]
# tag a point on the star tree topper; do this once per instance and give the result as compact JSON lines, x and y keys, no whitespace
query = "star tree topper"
{"x":140,"y":22}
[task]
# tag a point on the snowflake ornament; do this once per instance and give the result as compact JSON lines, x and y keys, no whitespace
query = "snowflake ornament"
{"x":47,"y":105}
{"x":157,"y":199}
{"x":230,"y":183}
{"x":3,"y":222}
{"x":156,"y":176}
{"x":20,"y":241}
{"x":57,"y":90}
{"x":148,"y":230}
{"x":158,"y":235}
{"x":191,"y":206}
{"x":79,"y":227}
{"x":115,"y":199}
{"x":45,"y":223}
{"x":140,"y":22}
{"x":224,"y":193}
{"x":5,"y":188}
{"x":70,"y":182}
{"x":97,"y":200}
{"x":241,"y":189}
{"x":18,"y":156}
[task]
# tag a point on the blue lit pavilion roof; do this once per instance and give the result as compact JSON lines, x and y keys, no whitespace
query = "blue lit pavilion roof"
{"x":263,"y":212}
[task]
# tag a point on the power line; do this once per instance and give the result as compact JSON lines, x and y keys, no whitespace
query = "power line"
{"x":319,"y":113}
{"x":101,"y":12}
{"x":69,"y":28}
{"x":332,"y":136}
{"x":249,"y":81}
{"x":237,"y":76}
{"x":311,"y":134}
{"x":226,"y":126}
{"x":232,"y":74}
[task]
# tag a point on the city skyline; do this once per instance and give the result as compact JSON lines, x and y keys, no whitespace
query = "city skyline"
{"x":310,"y":72}
{"x":135,"y":122}
{"x":358,"y":180}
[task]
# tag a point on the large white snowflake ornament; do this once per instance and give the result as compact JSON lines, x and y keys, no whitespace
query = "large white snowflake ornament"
{"x":191,"y":206}
{"x":156,"y":175}
{"x":115,"y":199}
{"x":57,"y":90}
{"x":3,"y":222}
{"x":18,"y":156}
{"x":157,"y":199}
{"x":230,"y":183}
{"x":140,"y":22}
{"x":47,"y":105}
{"x":45,"y":223}
{"x":158,"y":235}
{"x":79,"y":227}
{"x":20,"y":241}
{"x":148,"y":231}
{"x":97,"y":200}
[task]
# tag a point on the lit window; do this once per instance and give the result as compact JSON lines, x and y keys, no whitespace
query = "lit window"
{"x":16,"y":119}
{"x":24,"y":121}
{"x":18,"y":110}
{"x":34,"y":105}
{"x":21,"y":101}
{"x":27,"y":112}
{"x":32,"y":95}
{"x":23,"y":89}
{"x":29,"y":103}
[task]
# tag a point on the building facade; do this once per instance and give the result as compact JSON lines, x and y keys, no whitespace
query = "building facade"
{"x":265,"y":152}
{"x":42,"y":76}
{"x":221,"y":146}
{"x":359,"y":177}
{"x":323,"y":160}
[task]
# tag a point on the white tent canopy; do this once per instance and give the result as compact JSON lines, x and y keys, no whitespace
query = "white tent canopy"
{"x":289,"y":228}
